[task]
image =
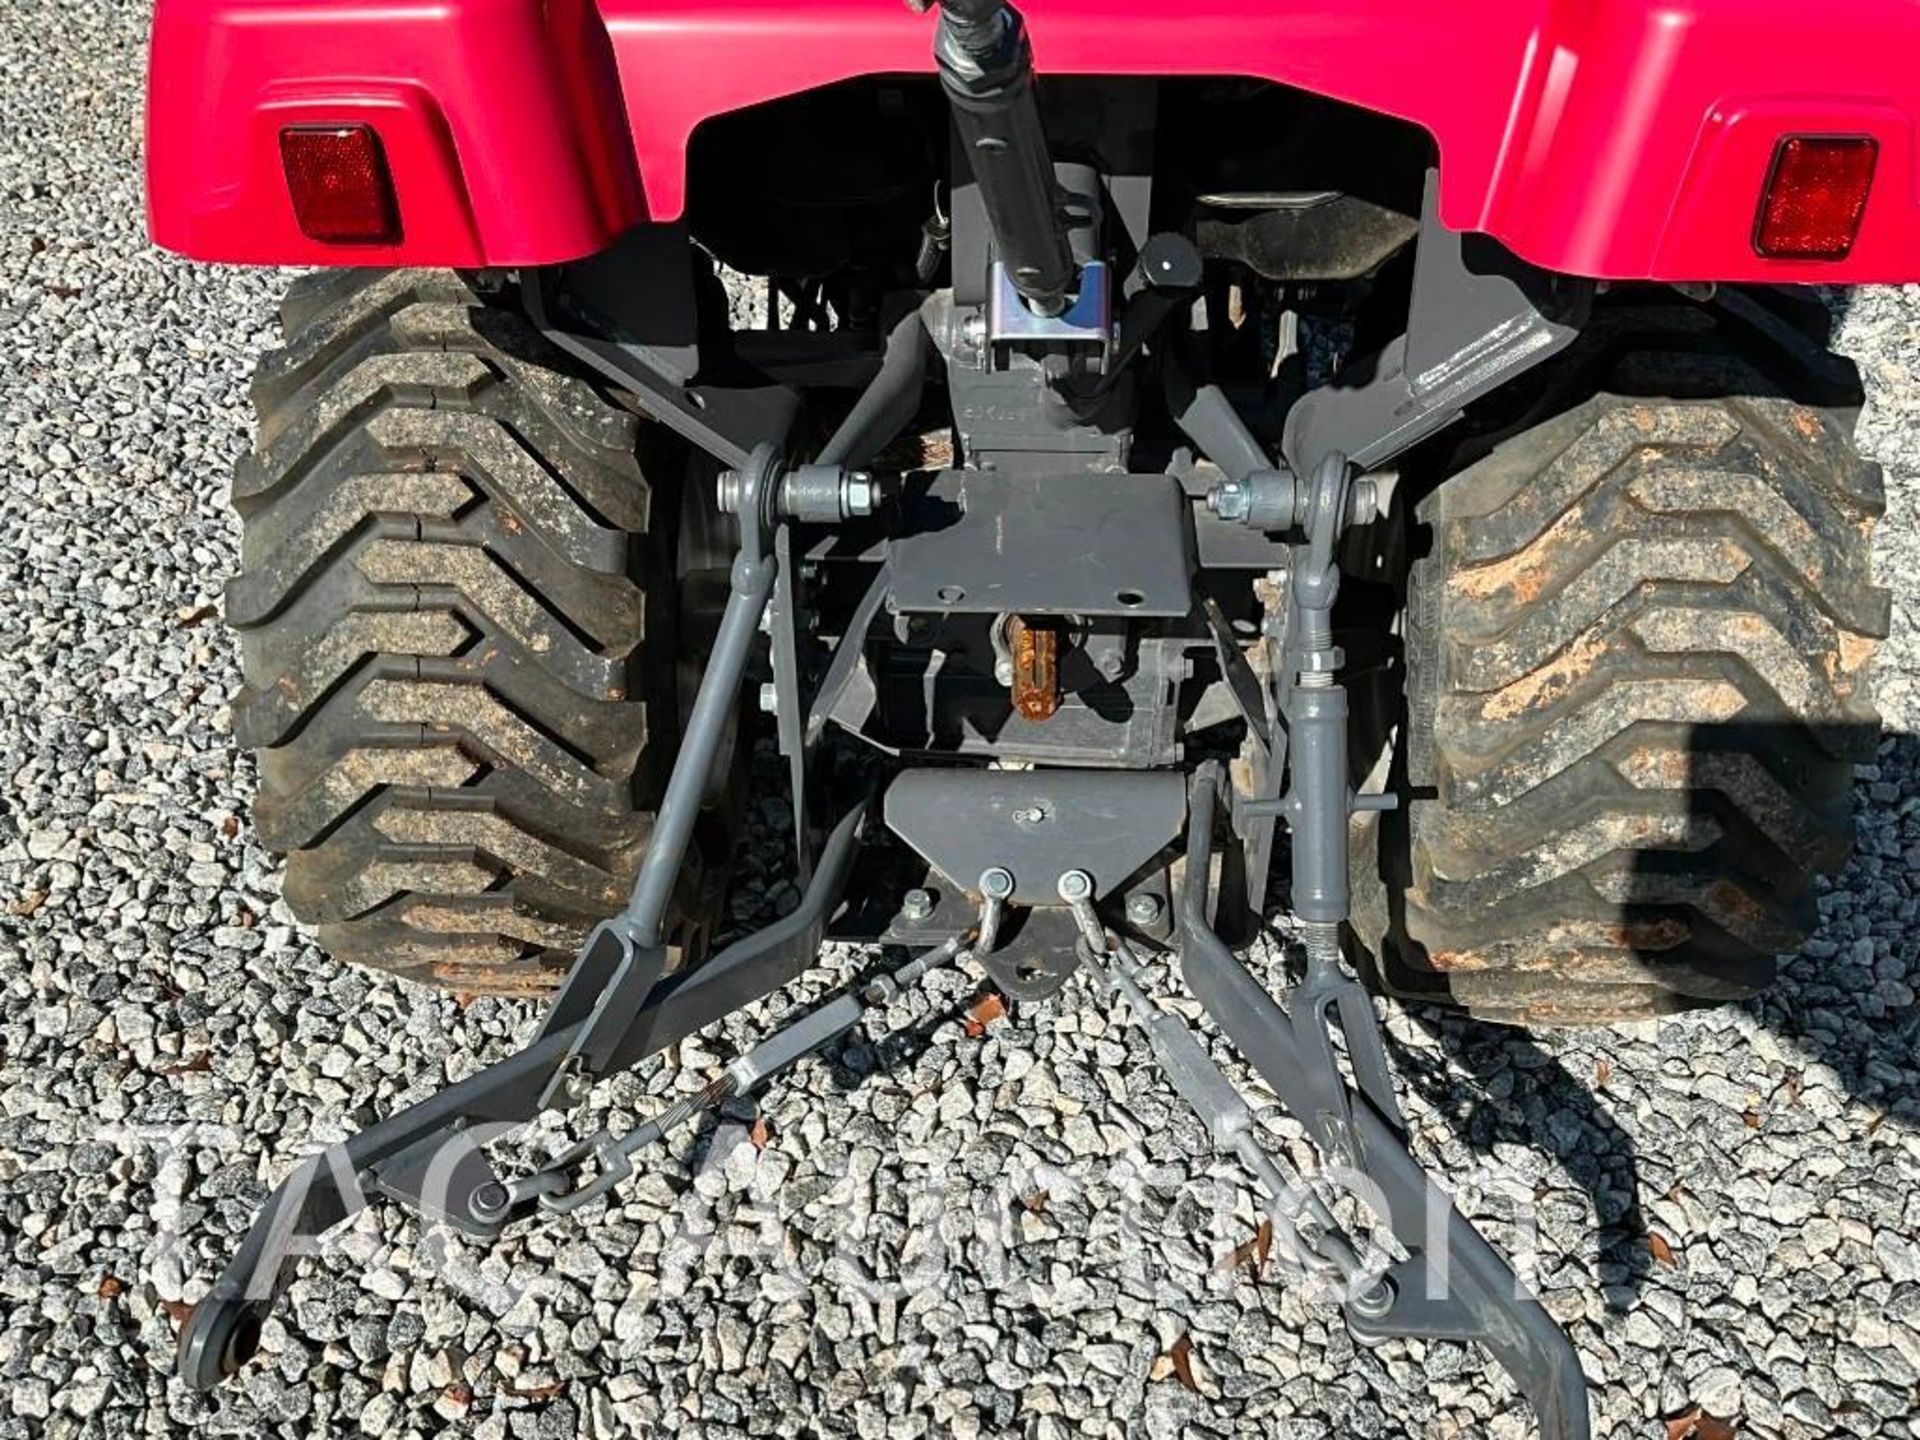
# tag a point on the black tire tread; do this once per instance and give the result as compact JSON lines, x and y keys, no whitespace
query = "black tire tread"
{"x":1637,"y":659}
{"x":441,"y":621}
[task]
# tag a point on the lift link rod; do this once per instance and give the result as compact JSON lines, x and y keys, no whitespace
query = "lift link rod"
{"x":625,"y":957}
{"x":615,"y":1008}
{"x":1453,"y":1285}
{"x":986,"y":67}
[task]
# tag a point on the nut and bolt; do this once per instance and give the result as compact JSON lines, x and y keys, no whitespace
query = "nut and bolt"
{"x":1144,"y":909}
{"x":859,"y":495}
{"x":997,"y":883}
{"x":489,"y":1202}
{"x":916,"y":905}
{"x":769,"y":698}
{"x":1375,"y":1302}
{"x":1230,"y":500}
{"x":726,"y":491}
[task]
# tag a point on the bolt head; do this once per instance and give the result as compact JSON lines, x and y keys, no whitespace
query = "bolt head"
{"x":917,"y":904}
{"x":769,"y":698}
{"x":1143,"y":909}
{"x":489,"y":1201}
{"x":997,"y":883}
{"x":1376,"y":1301}
{"x":1075,"y":885}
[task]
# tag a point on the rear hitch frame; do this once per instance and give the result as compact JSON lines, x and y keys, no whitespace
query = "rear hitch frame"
{"x":617,"y":1007}
{"x":1044,"y":435}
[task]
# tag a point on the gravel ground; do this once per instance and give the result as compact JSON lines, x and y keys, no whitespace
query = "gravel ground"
{"x":1726,"y":1205}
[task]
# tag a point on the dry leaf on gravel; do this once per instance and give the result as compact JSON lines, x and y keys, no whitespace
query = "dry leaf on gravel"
{"x":1696,"y":1424}
{"x":1178,"y":1362}
{"x":984,"y":1011}
{"x":1253,"y":1254}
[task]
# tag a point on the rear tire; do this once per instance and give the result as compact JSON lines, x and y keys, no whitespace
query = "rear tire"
{"x":1636,"y":659}
{"x":445,"y":599}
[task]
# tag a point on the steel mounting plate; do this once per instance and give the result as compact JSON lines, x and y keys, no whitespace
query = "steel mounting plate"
{"x":1038,"y":823}
{"x":984,"y":542}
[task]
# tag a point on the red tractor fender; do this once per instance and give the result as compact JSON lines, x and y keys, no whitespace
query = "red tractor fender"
{"x":1612,"y":138}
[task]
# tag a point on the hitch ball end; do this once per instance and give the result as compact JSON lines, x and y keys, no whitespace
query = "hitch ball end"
{"x":220,"y":1337}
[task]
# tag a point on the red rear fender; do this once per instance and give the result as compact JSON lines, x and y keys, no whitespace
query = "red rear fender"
{"x":1602,"y":137}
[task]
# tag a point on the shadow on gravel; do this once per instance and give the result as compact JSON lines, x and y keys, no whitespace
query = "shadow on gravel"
{"x":1847,"y":998}
{"x":1844,"y":1000}
{"x":1520,"y":1095}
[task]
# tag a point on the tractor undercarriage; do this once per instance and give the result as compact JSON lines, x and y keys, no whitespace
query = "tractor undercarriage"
{"x":1080,"y":604}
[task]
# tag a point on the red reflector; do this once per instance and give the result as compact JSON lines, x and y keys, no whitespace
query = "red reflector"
{"x":342,"y":193}
{"x":1815,"y":196}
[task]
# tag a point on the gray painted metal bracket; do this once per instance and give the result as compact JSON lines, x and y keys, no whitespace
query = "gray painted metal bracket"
{"x":988,"y":543}
{"x":1038,"y":823}
{"x":1480,"y":316}
{"x":728,"y":420}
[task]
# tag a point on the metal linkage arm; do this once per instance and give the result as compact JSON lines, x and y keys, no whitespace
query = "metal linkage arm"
{"x":888,"y":404}
{"x":1310,"y":1234}
{"x":428,"y":1156}
{"x":611,"y":1012}
{"x":625,"y":957}
{"x":561,"y":1188}
{"x":223,"y":1332}
{"x":1454,"y":1285}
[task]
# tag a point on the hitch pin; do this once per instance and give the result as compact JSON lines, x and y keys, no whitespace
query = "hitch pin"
{"x":1076,"y":888}
{"x":996,"y":889}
